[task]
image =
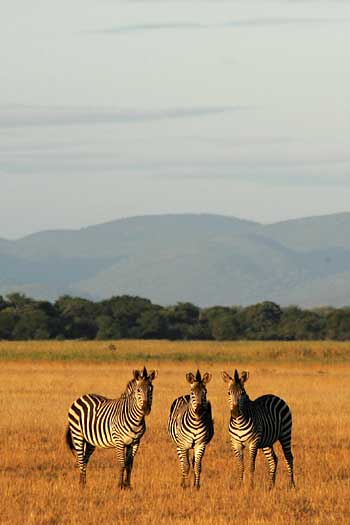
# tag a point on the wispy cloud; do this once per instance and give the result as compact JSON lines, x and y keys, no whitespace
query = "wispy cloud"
{"x":36,"y":117}
{"x":93,"y":161}
{"x":230,"y":24}
{"x":150,"y":27}
{"x":258,"y":22}
{"x":259,"y":159}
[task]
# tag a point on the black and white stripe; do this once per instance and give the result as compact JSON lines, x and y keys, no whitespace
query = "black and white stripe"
{"x":97,"y":422}
{"x":190,"y":426}
{"x":257,"y":425}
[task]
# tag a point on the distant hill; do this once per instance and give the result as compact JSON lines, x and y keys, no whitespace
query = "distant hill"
{"x":205,"y":259}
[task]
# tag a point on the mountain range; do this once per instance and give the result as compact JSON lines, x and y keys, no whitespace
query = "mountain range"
{"x":204,"y":259}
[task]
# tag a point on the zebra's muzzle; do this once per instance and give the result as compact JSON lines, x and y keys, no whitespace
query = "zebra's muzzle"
{"x":235,"y":412}
{"x":199,"y":410}
{"x":146,"y":409}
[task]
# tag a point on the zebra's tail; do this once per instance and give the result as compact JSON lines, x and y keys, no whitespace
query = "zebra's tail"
{"x":69,"y":440}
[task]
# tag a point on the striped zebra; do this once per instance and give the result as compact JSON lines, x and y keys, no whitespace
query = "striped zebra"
{"x":97,"y":422}
{"x":190,"y":426}
{"x":258,"y":424}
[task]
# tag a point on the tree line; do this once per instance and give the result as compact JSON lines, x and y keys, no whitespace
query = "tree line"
{"x":120,"y":317}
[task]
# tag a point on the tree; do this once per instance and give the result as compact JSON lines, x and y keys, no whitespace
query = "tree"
{"x":19,"y":301}
{"x":3,"y":304}
{"x":223,"y":322}
{"x":152,"y":324}
{"x":78,"y":317}
{"x":301,"y":324}
{"x":32,"y":324}
{"x":338,"y":324}
{"x":8,"y":319}
{"x":290,"y":320}
{"x":107,"y":328}
{"x":261,"y":321}
{"x":184,"y":322}
{"x":135,"y":317}
{"x":125,"y":311}
{"x":225,"y":327}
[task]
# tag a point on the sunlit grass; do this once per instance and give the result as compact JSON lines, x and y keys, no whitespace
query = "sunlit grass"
{"x":207,"y":351}
{"x":39,"y":480}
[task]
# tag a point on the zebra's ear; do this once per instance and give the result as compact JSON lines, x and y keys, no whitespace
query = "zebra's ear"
{"x":137,"y":374}
{"x":153,"y":374}
{"x":226,"y":377}
{"x":190,"y":378}
{"x":206,"y":378}
{"x":244,"y":376}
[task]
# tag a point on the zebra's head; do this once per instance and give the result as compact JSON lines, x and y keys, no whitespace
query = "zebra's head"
{"x":198,"y":384}
{"x":236,"y":389}
{"x":144,"y":389}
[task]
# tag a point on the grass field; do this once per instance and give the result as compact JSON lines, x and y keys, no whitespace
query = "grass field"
{"x":39,"y":480}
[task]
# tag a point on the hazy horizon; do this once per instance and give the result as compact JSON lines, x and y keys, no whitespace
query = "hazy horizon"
{"x":128,"y":108}
{"x":180,"y":214}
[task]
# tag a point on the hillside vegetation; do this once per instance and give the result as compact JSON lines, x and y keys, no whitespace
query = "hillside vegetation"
{"x":204,"y":259}
{"x":22,"y":318}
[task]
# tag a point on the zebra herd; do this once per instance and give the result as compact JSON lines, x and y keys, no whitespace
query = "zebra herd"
{"x":97,"y":422}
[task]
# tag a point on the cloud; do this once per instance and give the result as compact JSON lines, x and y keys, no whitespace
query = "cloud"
{"x":168,"y":167}
{"x":262,"y":22}
{"x":231,"y":24}
{"x":20,"y":117}
{"x":149,"y":27}
{"x":173,"y":157}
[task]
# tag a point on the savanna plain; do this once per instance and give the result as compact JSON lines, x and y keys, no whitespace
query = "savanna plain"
{"x":39,"y":482}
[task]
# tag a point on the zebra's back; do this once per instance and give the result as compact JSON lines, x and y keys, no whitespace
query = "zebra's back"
{"x":273,"y":419}
{"x":177,"y":408}
{"x":91,"y":417}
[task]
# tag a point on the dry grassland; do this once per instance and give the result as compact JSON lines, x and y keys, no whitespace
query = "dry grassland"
{"x":39,"y":480}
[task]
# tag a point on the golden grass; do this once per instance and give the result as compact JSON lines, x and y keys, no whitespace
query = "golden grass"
{"x":178,"y":351}
{"x":39,"y":480}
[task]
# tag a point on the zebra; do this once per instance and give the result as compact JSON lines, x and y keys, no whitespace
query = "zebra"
{"x":97,"y":422}
{"x":190,"y":426}
{"x":258,"y":424}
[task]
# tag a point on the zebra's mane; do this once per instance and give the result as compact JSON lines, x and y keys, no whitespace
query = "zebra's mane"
{"x":130,"y":388}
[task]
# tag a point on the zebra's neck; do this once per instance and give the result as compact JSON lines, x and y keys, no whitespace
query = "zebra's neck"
{"x":134,"y":410}
{"x":193,"y":414}
{"x":130,"y":388}
{"x":243,"y":412}
{"x":130,"y":399}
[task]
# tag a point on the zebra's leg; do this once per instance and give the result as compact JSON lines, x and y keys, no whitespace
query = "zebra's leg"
{"x":80,"y":447}
{"x":238,"y":452}
{"x":129,"y":460}
{"x":198,"y":455}
{"x":252,"y":457}
{"x":121,"y":456}
{"x":287,"y":451}
{"x":272,"y":461}
{"x":89,"y":450}
{"x":183,"y":455}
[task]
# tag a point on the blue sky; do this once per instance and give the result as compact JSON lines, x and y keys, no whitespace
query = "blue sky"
{"x":117,"y":108}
